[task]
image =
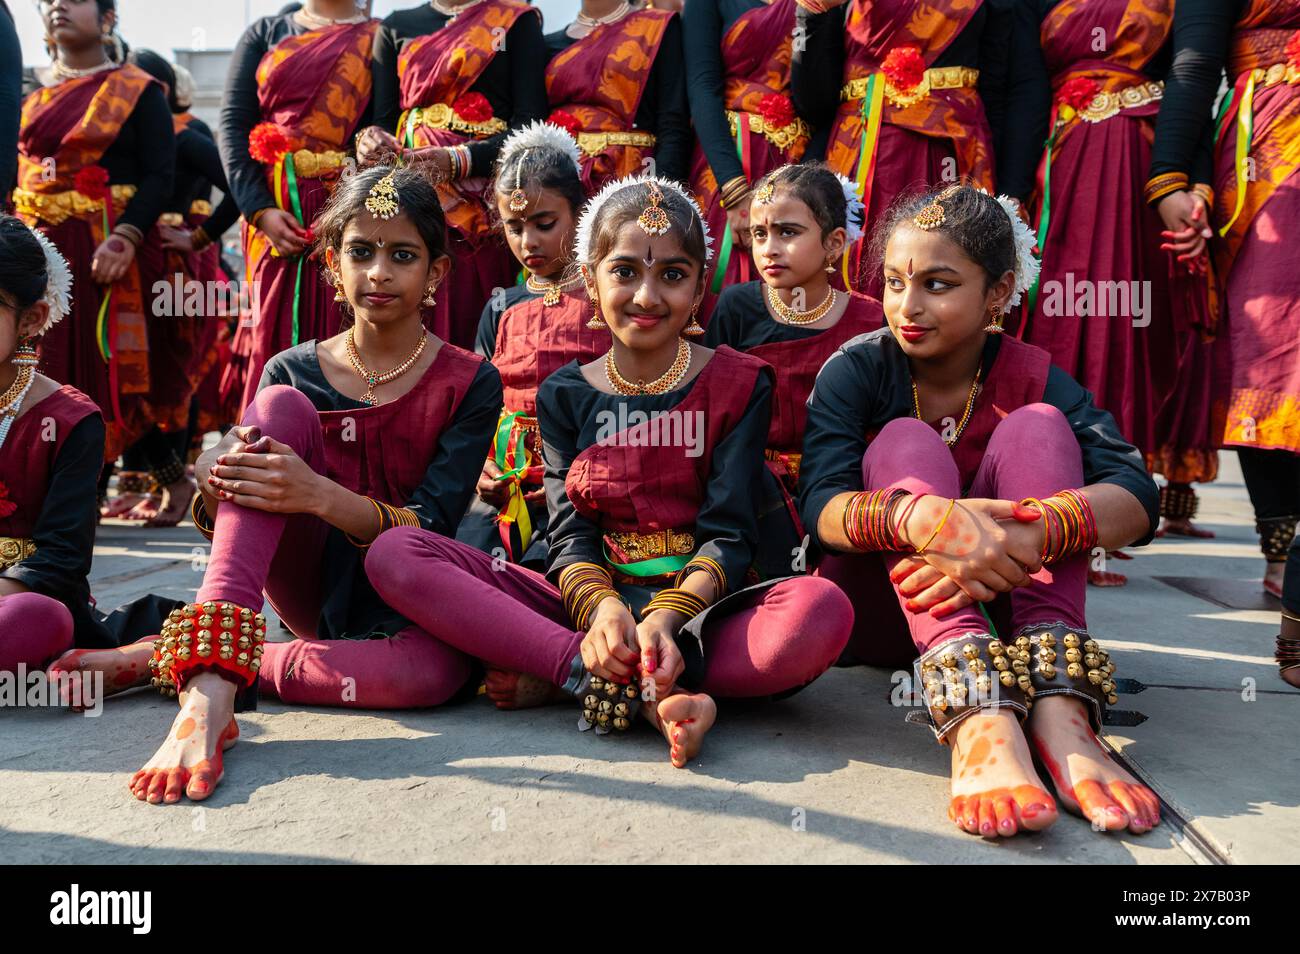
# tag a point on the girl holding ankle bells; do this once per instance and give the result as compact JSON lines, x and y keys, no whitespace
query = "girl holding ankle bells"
{"x":332,"y":453}
{"x":643,"y":525}
{"x":528,"y":331}
{"x":978,"y":473}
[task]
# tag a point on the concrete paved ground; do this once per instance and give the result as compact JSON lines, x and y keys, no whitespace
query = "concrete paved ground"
{"x":830,"y":775}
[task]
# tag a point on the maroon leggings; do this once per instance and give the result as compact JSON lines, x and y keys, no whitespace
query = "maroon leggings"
{"x":255,"y":552}
{"x":33,"y":630}
{"x":513,"y":618}
{"x":1033,"y":453}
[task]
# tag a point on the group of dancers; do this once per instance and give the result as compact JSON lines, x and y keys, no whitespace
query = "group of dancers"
{"x":790,"y":346}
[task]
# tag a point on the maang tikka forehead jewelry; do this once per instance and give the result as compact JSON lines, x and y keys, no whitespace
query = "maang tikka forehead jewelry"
{"x":764,"y":194}
{"x":381,"y":201}
{"x":518,"y":201}
{"x":653,"y":219}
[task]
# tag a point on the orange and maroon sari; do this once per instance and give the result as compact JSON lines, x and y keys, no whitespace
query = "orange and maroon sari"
{"x":316,"y":85}
{"x":889,"y":138}
{"x":101,"y":347}
{"x":436,"y":74}
{"x":594,"y":88}
{"x":755,"y":59}
{"x":1257,"y":205}
{"x":1151,"y":371}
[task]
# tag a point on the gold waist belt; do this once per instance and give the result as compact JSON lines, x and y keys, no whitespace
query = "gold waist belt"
{"x":14,"y":550}
{"x":650,"y":546}
{"x":592,"y":143}
{"x":318,"y":165}
{"x":442,"y":116}
{"x":1277,"y":73}
{"x":936,"y":77}
{"x":1107,"y":104}
{"x":783,"y":137}
{"x":56,"y":208}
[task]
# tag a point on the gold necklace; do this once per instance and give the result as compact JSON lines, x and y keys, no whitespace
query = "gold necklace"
{"x":792,"y":317}
{"x":8,"y":400}
{"x":375,"y":378}
{"x":965,"y":415}
{"x":666,"y":382}
{"x":612,"y":17}
{"x":62,"y":72}
{"x":550,"y":291}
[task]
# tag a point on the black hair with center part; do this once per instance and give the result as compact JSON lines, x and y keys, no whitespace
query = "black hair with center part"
{"x":972,"y":219}
{"x":541,"y":167}
{"x":627,"y":204}
{"x":23,"y":273}
{"x":416,"y":198}
{"x":815,"y":186}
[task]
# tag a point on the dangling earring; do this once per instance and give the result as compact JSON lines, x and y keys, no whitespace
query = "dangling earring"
{"x":694,"y":329}
{"x":428,"y":296}
{"x":25,"y":355}
{"x":338,"y":292}
{"x":994,"y":327}
{"x":830,"y":266}
{"x":597,"y":320}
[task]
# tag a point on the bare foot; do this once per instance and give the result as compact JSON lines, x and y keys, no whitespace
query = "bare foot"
{"x":1088,"y":781}
{"x":175,"y":504}
{"x":517,"y":690}
{"x":124,"y":667}
{"x":121,"y":504}
{"x":190,"y":759}
{"x":1273,"y":574}
{"x":1291,"y":676}
{"x":1106,"y":578}
{"x":684,"y":718}
{"x":995,"y":790}
{"x":1182,"y":527}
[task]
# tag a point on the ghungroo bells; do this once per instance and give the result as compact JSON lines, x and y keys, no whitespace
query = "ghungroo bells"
{"x":202,"y":638}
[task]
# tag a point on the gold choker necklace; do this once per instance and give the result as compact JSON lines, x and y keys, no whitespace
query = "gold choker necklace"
{"x":618,"y":13}
{"x":551,"y":291}
{"x":375,"y":378}
{"x":792,"y":317}
{"x":666,"y":382}
{"x":62,"y":72}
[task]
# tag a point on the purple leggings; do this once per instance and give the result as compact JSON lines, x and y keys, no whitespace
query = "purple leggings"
{"x":513,"y":618}
{"x":33,"y":630}
{"x":1032,"y":453}
{"x":254,"y":552}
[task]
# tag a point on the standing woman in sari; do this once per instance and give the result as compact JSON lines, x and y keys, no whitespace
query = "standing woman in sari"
{"x":906,"y":94}
{"x":738,"y":71}
{"x":1142,"y":353}
{"x":1256,"y":197}
{"x":617,"y":82}
{"x":297,"y":92}
{"x":105,"y":132}
{"x":450,"y":80}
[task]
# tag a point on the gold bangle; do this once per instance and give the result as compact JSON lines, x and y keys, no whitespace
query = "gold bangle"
{"x":1162,"y":185}
{"x":257,"y":216}
{"x":939,"y":526}
{"x":199,"y":239}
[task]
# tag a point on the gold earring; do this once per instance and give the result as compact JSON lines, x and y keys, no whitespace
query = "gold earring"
{"x":338,"y":292}
{"x":428,"y":296}
{"x":830,"y":266}
{"x":994,"y":327}
{"x":694,"y":329}
{"x":597,"y":320}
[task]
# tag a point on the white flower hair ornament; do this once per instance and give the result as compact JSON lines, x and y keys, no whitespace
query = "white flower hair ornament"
{"x":541,"y":135}
{"x":1027,"y":265}
{"x":855,"y":215}
{"x":653,"y":219}
{"x":58,"y":283}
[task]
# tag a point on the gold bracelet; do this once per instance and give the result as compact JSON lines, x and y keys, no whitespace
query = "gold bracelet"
{"x":939,"y":526}
{"x":1162,"y":185}
{"x":199,"y":239}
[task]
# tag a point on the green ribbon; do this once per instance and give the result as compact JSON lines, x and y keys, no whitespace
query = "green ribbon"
{"x":503,"y":442}
{"x":292,"y":178}
{"x":1045,"y":215}
{"x":724,"y":253}
{"x":1223,"y":112}
{"x":659,"y":566}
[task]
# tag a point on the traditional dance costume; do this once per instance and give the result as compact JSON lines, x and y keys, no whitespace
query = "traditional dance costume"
{"x":628,"y":498}
{"x":294,"y":99}
{"x":418,"y":455}
{"x":464,"y":80}
{"x":621,"y":91}
{"x":107,"y":137}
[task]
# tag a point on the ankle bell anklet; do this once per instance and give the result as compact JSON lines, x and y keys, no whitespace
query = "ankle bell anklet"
{"x":208,"y":637}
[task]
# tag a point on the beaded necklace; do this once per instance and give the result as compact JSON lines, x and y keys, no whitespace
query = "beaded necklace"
{"x":550,"y":291}
{"x":11,"y":402}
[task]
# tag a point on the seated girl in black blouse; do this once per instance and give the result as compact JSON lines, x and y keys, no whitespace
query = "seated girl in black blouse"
{"x":380,"y":426}
{"x":974,"y":468}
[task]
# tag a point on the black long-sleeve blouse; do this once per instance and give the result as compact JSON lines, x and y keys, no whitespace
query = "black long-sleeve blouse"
{"x":240,"y":111}
{"x":999,"y":41}
{"x":352,"y":609}
{"x":569,"y":412}
{"x":1185,"y":124}
{"x":664,"y":109}
{"x":513,"y":82}
{"x":11,"y":100}
{"x":485,"y":341}
{"x":867,"y":384}
{"x":144,"y":155}
{"x":198,"y":169}
{"x":65,"y":531}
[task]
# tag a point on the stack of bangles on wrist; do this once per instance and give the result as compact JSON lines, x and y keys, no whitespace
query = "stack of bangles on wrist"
{"x":732,"y":191}
{"x":460,"y":161}
{"x":709,"y":566}
{"x":583,"y":587}
{"x":199,"y":239}
{"x":129,"y":232}
{"x":1069,"y":526}
{"x":389,"y":517}
{"x":678,"y":600}
{"x":874,"y":519}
